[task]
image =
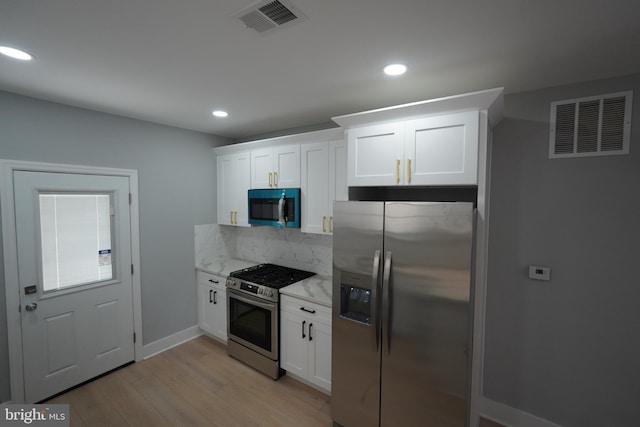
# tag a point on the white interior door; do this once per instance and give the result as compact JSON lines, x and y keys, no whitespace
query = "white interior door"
{"x":74,"y":273}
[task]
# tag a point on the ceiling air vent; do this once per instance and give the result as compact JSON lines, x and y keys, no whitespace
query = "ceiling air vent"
{"x":269,"y":15}
{"x":593,"y":126}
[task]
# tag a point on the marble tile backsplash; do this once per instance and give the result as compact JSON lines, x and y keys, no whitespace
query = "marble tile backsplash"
{"x":214,"y":244}
{"x":288,"y":247}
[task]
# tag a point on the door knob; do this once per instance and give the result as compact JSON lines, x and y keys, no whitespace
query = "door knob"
{"x":31,"y":306}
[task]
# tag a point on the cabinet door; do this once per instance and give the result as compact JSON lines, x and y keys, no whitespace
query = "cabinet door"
{"x":338,"y":189}
{"x":294,"y":333}
{"x":262,"y":168}
{"x":375,"y":155}
{"x":226,"y":196}
{"x":206,"y":313}
{"x":234,"y":179}
{"x":315,"y":176}
{"x":219,"y":304}
{"x":319,"y":369}
{"x":442,"y":150}
{"x":241,"y":187}
{"x":286,"y":166}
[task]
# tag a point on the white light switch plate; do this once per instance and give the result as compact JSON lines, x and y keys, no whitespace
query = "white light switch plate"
{"x":538,"y":272}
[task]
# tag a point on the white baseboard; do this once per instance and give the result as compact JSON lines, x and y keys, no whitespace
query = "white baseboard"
{"x":509,"y":416}
{"x":310,"y":384}
{"x":173,"y":340}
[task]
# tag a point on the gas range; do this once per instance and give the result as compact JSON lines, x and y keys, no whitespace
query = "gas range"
{"x":264,"y":280}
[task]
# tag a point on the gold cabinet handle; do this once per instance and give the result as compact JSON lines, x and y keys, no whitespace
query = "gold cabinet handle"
{"x":408,"y":170}
{"x":331,"y":224}
{"x":324,"y":228}
{"x":231,"y":217}
{"x":397,"y":171}
{"x":270,"y":178}
{"x":275,"y":179}
{"x":235,"y":217}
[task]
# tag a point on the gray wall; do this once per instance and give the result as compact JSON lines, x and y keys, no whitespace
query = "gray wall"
{"x":176,"y":174}
{"x":567,"y":350}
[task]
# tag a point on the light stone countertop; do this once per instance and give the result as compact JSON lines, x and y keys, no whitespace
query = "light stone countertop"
{"x":315,"y":289}
{"x":224,"y":268}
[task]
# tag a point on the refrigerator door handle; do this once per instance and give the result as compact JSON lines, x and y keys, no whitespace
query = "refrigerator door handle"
{"x":386,"y":303}
{"x":375,"y":291}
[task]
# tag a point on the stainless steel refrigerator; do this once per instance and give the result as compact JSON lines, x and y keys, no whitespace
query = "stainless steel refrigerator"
{"x":401,"y":313}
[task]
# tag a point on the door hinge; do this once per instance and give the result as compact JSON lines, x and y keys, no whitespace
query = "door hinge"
{"x":132,"y":269}
{"x":134,"y":337}
{"x":130,"y":198}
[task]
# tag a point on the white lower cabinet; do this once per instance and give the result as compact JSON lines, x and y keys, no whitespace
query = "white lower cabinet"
{"x":212,"y":305}
{"x":305,"y":341}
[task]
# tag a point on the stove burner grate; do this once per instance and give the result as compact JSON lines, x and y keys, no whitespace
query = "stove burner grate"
{"x":271,"y":275}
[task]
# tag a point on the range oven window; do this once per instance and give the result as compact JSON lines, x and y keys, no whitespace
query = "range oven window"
{"x":250,"y":323}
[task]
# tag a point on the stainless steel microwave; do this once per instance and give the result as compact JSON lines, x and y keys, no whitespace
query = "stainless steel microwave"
{"x":278,"y":207}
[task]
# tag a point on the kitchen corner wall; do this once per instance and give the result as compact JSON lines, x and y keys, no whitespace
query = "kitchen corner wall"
{"x":566,"y":350}
{"x":176,"y":185}
{"x":289,"y":247}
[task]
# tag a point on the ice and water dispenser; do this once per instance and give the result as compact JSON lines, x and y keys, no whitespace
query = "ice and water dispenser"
{"x":355,"y":297}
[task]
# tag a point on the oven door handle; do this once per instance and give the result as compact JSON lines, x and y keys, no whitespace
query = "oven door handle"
{"x":249,"y":300}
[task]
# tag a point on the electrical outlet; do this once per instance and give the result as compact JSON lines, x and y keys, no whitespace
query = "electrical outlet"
{"x":538,"y":272}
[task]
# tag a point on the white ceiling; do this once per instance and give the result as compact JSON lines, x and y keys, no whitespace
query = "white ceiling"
{"x":173,"y":62}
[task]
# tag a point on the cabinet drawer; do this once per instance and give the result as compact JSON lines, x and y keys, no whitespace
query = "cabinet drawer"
{"x":208,"y":279}
{"x":305,"y":308}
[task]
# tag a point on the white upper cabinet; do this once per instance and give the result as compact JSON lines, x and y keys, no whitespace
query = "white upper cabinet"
{"x":323,"y":180}
{"x":314,"y":187}
{"x":262,"y":168}
{"x":276,"y":167}
{"x":442,"y":150}
{"x":428,"y":143}
{"x":338,"y":188}
{"x":376,"y":155}
{"x":276,"y":163}
{"x":234,"y":179}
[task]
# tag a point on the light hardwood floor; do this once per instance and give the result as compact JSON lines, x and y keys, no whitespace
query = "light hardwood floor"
{"x":196,"y":384}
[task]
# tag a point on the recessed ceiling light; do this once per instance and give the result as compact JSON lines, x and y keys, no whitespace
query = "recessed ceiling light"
{"x":15,"y":53}
{"x":395,"y":69}
{"x":220,"y":113}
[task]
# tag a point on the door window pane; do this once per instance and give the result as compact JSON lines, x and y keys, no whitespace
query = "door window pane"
{"x":76,"y":237}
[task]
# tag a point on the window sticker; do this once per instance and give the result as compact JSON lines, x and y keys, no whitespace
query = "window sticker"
{"x":104,"y":257}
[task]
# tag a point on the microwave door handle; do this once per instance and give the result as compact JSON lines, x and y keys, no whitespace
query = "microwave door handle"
{"x":375,"y":290}
{"x":281,"y":204}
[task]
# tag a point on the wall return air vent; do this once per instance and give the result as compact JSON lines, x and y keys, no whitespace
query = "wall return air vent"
{"x":593,"y":126}
{"x":269,"y":15}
